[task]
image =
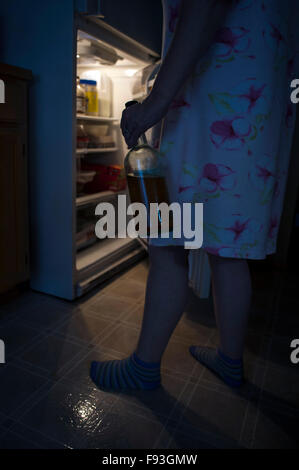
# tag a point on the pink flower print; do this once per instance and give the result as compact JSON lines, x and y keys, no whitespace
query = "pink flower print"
{"x":238,"y":228}
{"x":217,"y":177}
{"x":231,"y":40}
{"x":253,"y":95}
{"x":273,"y":227}
{"x":179,"y":103}
{"x":184,"y":188}
{"x":262,"y":176}
{"x":240,"y":231}
{"x":276,"y":35}
{"x":250,"y":96}
{"x":230,"y":134}
{"x":263,"y":173}
{"x":274,"y":38}
{"x":214,"y":251}
{"x":173,"y":16}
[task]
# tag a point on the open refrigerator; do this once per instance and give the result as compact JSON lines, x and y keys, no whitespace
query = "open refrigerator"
{"x":121,"y":74}
{"x":65,"y":258}
{"x":117,"y":76}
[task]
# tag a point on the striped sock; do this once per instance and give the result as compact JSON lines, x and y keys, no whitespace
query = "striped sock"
{"x":127,"y":374}
{"x":229,"y":370}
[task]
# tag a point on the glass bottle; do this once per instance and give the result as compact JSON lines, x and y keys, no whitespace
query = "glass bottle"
{"x":91,"y":95}
{"x":80,"y":98}
{"x":146,"y":177}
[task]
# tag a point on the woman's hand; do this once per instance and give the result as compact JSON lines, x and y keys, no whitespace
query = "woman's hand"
{"x":138,"y":118}
{"x":197,"y":24}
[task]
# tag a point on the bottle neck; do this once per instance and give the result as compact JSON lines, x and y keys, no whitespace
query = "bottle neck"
{"x":142,"y":140}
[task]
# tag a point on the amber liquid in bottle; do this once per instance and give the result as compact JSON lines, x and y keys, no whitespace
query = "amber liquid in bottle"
{"x":146,"y":181}
{"x":149,"y":189}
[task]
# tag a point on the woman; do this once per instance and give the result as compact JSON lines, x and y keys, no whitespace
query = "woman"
{"x":223,"y":88}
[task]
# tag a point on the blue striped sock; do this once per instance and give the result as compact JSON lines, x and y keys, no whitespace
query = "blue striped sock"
{"x":128,"y":374}
{"x":229,"y":370}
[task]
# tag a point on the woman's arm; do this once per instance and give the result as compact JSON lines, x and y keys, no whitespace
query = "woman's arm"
{"x":197,"y":24}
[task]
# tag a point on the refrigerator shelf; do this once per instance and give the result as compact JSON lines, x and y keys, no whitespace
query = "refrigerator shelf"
{"x":96,"y":150}
{"x":104,"y":252}
{"x":106,"y":271}
{"x":84,"y":117}
{"x":82,"y":201}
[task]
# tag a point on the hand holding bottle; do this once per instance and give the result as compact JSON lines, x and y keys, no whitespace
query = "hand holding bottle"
{"x":140,"y":117}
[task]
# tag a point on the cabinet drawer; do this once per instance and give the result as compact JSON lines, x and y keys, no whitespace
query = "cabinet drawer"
{"x":14,"y":108}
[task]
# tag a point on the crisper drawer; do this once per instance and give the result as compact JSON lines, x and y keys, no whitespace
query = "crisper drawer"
{"x":14,"y":108}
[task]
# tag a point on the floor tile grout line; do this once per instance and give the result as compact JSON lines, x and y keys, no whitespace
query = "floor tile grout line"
{"x":177,"y":400}
{"x":47,"y":379}
{"x":39,"y":338}
{"x":53,"y":384}
{"x":199,"y":380}
{"x":31,"y":398}
{"x":247,"y":410}
{"x":17,"y":421}
{"x":25,"y":348}
{"x":127,"y":311}
{"x":75,"y":340}
{"x":170,"y":415}
{"x":258,"y":408}
{"x":90,"y":350}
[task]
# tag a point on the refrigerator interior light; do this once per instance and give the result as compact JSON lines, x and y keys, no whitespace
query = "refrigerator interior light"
{"x":89,"y":50}
{"x":130,"y":72}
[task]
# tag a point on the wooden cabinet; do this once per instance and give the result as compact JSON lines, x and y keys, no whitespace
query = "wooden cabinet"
{"x":14,"y":251}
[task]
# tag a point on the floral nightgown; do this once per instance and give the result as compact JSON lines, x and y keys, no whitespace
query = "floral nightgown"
{"x":227,"y":136}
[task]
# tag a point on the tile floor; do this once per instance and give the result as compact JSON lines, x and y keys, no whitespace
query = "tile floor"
{"x":48,"y":401}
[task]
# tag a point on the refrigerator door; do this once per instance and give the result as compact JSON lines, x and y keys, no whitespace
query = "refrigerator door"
{"x":115,"y":38}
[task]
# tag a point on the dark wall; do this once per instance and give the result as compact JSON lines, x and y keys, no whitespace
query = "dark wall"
{"x":139,"y":19}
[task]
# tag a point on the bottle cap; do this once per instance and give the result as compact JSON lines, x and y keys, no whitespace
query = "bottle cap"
{"x":88,"y":82}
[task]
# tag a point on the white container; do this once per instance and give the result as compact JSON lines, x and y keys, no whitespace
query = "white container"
{"x":105,"y":95}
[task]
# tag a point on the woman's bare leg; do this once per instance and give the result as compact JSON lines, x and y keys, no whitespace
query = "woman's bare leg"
{"x":232,"y":294}
{"x":166,"y":297}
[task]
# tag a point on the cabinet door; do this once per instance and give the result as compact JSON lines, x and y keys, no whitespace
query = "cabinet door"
{"x":14,"y":266}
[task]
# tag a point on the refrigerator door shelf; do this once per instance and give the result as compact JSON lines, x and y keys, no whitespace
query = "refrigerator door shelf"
{"x":105,"y":273}
{"x":104,"y":256}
